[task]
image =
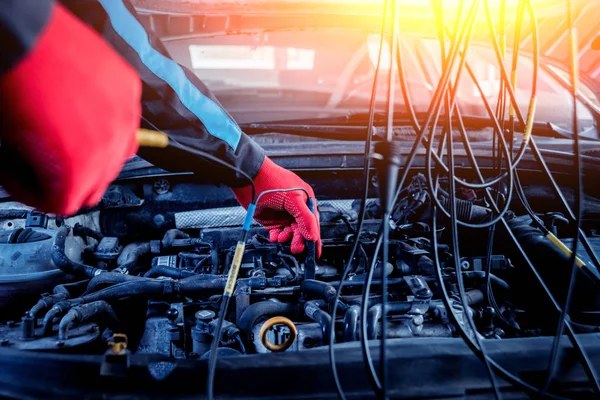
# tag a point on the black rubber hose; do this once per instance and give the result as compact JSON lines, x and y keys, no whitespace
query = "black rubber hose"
{"x":71,"y":289}
{"x":320,"y":289}
{"x":58,"y":309}
{"x":358,"y":282}
{"x":170,"y":236}
{"x":312,"y":311}
{"x":351,"y":323}
{"x":166,"y":288}
{"x":131,"y":253}
{"x":46,"y":303}
{"x":474,"y":297}
{"x":79,"y":230}
{"x":501,"y":283}
{"x":170,"y":272}
{"x":132,"y":288}
{"x":109,"y":278}
{"x":83,"y":313}
{"x":61,"y":292}
{"x":263,"y":309}
{"x":64,"y":263}
{"x":375,"y":313}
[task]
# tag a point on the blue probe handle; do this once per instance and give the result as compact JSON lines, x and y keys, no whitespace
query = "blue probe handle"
{"x":311,"y":205}
{"x":310,"y":262}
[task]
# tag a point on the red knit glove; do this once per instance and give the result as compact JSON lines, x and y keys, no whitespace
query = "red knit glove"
{"x":285,"y":215}
{"x":71,"y":108}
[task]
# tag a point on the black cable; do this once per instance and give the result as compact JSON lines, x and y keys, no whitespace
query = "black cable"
{"x":214,"y":349}
{"x":457,"y":263}
{"x":452,"y":188}
{"x":506,"y":375}
{"x":364,"y":339}
{"x":554,"y":356}
{"x":435,"y":104}
{"x":486,"y":185}
{"x":212,"y":362}
{"x":387,"y":207}
{"x":537,"y":154}
{"x":362,"y":209}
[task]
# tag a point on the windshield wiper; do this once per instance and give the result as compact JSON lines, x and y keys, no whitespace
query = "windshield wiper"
{"x":353,"y":126}
{"x":349,"y":118}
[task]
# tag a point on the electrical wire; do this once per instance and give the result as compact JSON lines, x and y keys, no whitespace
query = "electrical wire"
{"x":505,"y":374}
{"x":552,"y":365}
{"x":517,"y":158}
{"x":435,"y":107}
{"x":457,"y":263}
{"x":451,"y":107}
{"x":364,"y":307}
{"x":362,"y":209}
{"x":230,"y":287}
{"x":232,"y":278}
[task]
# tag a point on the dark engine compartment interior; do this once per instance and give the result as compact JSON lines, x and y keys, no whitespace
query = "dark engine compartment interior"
{"x":145,"y":274}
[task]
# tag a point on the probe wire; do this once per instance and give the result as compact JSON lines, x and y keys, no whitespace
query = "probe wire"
{"x":362,"y":210}
{"x":554,"y":356}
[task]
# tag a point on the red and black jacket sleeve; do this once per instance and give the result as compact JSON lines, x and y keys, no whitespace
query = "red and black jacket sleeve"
{"x":21,"y":23}
{"x":174,"y":100}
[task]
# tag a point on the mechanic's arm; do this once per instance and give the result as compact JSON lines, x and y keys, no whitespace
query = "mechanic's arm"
{"x":177,"y":102}
{"x":70,"y":108}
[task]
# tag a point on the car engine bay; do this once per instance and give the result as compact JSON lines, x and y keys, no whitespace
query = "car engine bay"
{"x":87,"y":286}
{"x":459,"y":249}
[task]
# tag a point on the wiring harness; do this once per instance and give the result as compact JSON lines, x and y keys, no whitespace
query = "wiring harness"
{"x":454,"y":46}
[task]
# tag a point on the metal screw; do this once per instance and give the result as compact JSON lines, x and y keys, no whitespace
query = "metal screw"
{"x":161,"y":186}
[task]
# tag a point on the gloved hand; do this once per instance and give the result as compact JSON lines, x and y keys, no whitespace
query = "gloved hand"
{"x":285,"y":215}
{"x":71,"y":109}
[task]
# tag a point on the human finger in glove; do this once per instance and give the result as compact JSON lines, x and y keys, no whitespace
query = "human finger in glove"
{"x":284,"y":214}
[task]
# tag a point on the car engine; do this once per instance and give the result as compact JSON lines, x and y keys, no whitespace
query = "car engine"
{"x":81,"y":284}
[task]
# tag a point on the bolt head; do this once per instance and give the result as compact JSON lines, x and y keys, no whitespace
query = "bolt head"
{"x":172,"y":314}
{"x":205,"y":315}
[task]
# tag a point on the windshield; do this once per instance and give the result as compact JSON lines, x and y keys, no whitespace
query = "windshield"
{"x":315,"y":73}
